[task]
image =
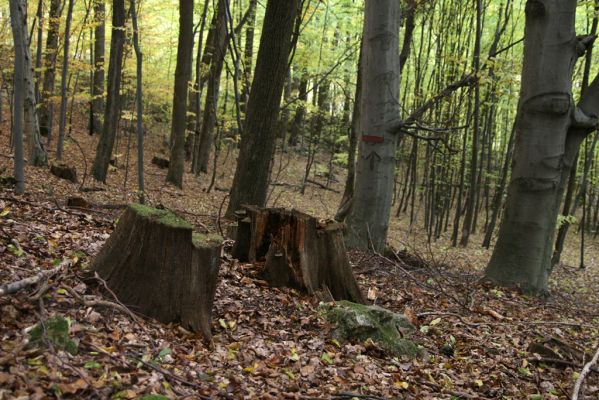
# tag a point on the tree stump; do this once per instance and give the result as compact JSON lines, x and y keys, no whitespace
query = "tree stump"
{"x":64,"y":171}
{"x":157,"y":265}
{"x":160,"y":162}
{"x":298,"y":251}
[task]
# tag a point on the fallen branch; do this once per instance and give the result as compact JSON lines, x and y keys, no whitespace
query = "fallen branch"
{"x":583,"y":374}
{"x":13,"y":287}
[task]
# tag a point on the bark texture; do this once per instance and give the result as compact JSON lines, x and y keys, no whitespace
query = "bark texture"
{"x":298,"y":252}
{"x":549,"y":130}
{"x":213,"y":87}
{"x":250,"y":184}
{"x":182,"y":77}
{"x":175,"y":270}
{"x":97,"y":103}
{"x":47,"y":107}
{"x":112,"y":110}
{"x":368,"y":221}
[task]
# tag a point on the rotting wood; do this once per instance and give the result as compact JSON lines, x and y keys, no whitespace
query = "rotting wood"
{"x":297,"y":250}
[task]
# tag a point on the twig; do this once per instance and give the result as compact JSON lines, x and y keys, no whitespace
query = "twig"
{"x":14,"y":287}
{"x":583,"y":374}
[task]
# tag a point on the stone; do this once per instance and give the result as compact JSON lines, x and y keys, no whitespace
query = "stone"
{"x":357,"y":323}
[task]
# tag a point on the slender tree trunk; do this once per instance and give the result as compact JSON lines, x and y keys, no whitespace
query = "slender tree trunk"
{"x":17,"y":19}
{"x":250,"y":184}
{"x":368,"y":221}
{"x":97,"y":103}
{"x":300,"y":112}
{"x":213,"y":87}
{"x":63,"y":83}
{"x":182,"y":77}
{"x":138,"y":104}
{"x":39,"y":52}
{"x":549,"y":131}
{"x":354,"y":130}
{"x":248,"y":56}
{"x":111,"y":112}
{"x":47,"y":107}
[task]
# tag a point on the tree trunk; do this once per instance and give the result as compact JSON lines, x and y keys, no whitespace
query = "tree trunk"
{"x":300,"y":112}
{"x":348,"y":193}
{"x":368,"y":221}
{"x":138,"y":104}
{"x":213,"y":87}
{"x":549,"y":131}
{"x":250,"y":184}
{"x":47,"y":107}
{"x":182,"y":77}
{"x":299,"y":252}
{"x":175,"y":270}
{"x":16,"y":21}
{"x":111,"y":112}
{"x":248,"y":56}
{"x":97,"y":103}
{"x":63,"y":83}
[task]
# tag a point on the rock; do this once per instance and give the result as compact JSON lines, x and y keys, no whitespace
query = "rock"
{"x":161,"y":163}
{"x":64,"y":171}
{"x":358,"y":323}
{"x":54,"y":330}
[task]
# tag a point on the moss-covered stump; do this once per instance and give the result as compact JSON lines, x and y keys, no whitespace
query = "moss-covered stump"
{"x":158,"y":266}
{"x":298,"y":251}
{"x":53,"y":332}
{"x":357,"y":323}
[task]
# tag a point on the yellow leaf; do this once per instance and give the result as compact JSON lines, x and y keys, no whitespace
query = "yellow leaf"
{"x":402,"y":384}
{"x":435,"y":321}
{"x":478,"y":382}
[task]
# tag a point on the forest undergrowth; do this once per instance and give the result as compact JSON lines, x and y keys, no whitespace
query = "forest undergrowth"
{"x":480,"y":341}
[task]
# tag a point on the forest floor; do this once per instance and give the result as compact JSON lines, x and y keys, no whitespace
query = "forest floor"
{"x":272,"y":343}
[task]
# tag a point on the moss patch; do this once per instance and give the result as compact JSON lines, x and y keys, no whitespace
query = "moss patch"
{"x":55,"y":330}
{"x":201,"y":240}
{"x":358,"y":323}
{"x":163,"y":217}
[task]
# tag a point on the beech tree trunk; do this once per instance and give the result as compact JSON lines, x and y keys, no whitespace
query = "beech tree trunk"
{"x":63,"y":83}
{"x":549,"y":130}
{"x":250,"y":184}
{"x":47,"y":106}
{"x":111,"y":112}
{"x":213,"y":87}
{"x":298,"y":252}
{"x":368,"y":221}
{"x":19,"y":91}
{"x":175,"y":271}
{"x":182,"y":77}
{"x":97,"y":103}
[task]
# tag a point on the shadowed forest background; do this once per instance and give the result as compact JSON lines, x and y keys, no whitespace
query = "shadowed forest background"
{"x":441,"y":154}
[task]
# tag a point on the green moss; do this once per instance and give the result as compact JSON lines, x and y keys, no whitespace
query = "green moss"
{"x":55,"y":330}
{"x":201,"y":240}
{"x":358,"y":323}
{"x":163,"y":217}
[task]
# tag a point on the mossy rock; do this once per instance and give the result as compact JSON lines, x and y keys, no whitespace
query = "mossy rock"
{"x":54,"y":330}
{"x":357,"y":323}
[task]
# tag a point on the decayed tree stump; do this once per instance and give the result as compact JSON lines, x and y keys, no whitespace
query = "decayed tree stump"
{"x":298,"y":251}
{"x":155,"y":264}
{"x":64,"y":171}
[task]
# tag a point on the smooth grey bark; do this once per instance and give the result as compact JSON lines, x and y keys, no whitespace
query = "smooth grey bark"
{"x":250,"y":184}
{"x":111,"y":111}
{"x":97,"y":103}
{"x":63,"y":83}
{"x":248,"y":55}
{"x":213,"y":87}
{"x":182,"y":77}
{"x":549,"y":131}
{"x":36,"y":153}
{"x":51,"y":52}
{"x":368,"y":221}
{"x":20,"y":42}
{"x":38,"y":52}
